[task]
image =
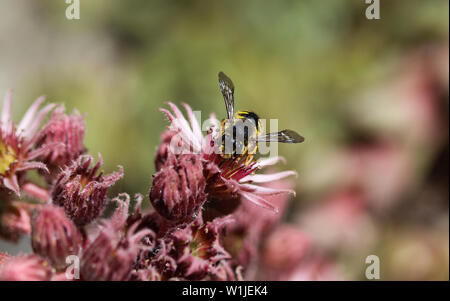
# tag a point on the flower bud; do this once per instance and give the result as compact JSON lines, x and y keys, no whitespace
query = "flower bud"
{"x":25,"y":268}
{"x":68,"y":130}
{"x":81,"y":192}
{"x":54,"y":236}
{"x":178,"y":190}
{"x":164,"y":148}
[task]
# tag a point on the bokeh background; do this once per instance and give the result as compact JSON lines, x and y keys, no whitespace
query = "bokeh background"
{"x":370,"y":96}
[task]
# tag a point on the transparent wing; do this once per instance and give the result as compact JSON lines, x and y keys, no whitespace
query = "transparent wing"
{"x":227,"y":89}
{"x":285,"y":136}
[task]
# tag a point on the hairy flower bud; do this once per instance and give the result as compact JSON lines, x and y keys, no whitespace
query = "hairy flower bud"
{"x":163,"y":150}
{"x":178,"y":190}
{"x":25,"y":268}
{"x":81,"y":191}
{"x":68,"y":130}
{"x":53,"y":235}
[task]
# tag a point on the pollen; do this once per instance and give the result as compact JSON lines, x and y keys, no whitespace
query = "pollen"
{"x":7,"y":158}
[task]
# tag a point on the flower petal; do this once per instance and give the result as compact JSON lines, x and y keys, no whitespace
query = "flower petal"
{"x":6,"y":111}
{"x":32,"y":165}
{"x":264,"y":178}
{"x":265,"y":190}
{"x":182,"y":123}
{"x":29,"y":115}
{"x":259,"y":201}
{"x":194,"y":123}
{"x":168,"y":114}
{"x":30,"y":130}
{"x":12,"y":184}
{"x":44,"y":149}
{"x":270,"y":161}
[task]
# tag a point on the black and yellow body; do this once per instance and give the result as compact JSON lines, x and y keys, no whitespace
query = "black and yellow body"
{"x":238,"y":135}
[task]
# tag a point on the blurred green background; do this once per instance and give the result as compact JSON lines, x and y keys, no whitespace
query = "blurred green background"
{"x":320,"y":67}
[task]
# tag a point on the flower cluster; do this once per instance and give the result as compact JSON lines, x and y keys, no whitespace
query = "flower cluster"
{"x":213,"y":217}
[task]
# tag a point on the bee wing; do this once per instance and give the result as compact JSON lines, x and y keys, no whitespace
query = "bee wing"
{"x":285,"y":136}
{"x":227,"y":89}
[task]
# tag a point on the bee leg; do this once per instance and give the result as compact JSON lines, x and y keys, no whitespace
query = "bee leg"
{"x":248,"y":160}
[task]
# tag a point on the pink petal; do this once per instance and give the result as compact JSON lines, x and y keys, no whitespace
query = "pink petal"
{"x":6,"y":123}
{"x":44,"y":149}
{"x":12,"y":184}
{"x":269,"y":161}
{"x":36,"y":191}
{"x":213,"y":119}
{"x":259,"y":201}
{"x":265,"y":190}
{"x":264,"y":178}
{"x":31,"y":130}
{"x":184,"y":132}
{"x":196,"y":265}
{"x":182,"y":123}
{"x":32,"y":165}
{"x":120,"y":215}
{"x":194,"y":123}
{"x":29,"y":115}
{"x":168,"y":114}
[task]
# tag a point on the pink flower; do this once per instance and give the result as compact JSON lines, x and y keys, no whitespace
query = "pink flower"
{"x":53,"y":235}
{"x":229,"y":180}
{"x":25,"y":268}
{"x":178,"y":190}
{"x":17,"y":143}
{"x":81,"y":191}
{"x":111,"y":255}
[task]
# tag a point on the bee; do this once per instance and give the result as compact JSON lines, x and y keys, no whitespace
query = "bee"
{"x":240,"y":132}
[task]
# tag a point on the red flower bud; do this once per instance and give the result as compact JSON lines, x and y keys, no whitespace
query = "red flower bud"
{"x":178,"y":190}
{"x":68,"y":130}
{"x":54,"y":236}
{"x":164,"y":148}
{"x":81,"y":192}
